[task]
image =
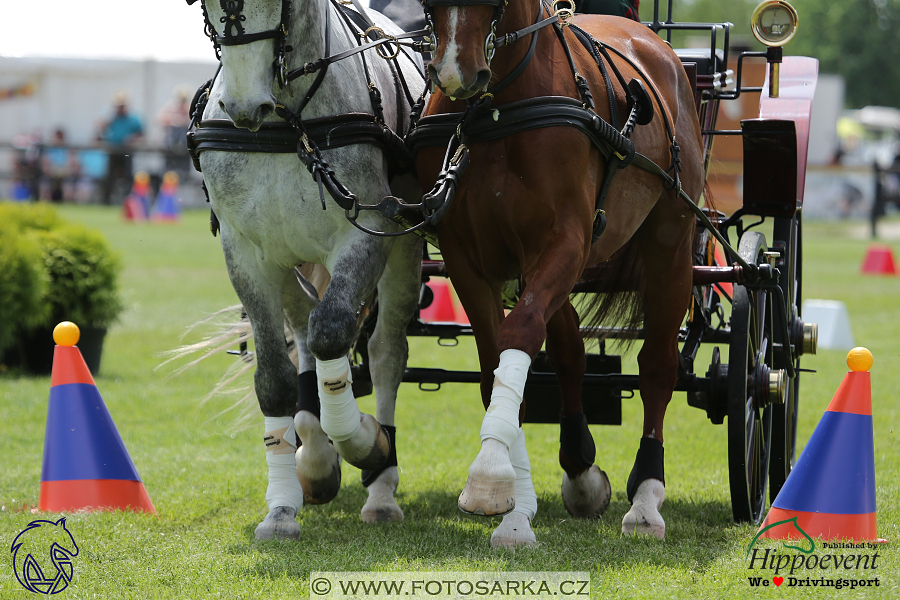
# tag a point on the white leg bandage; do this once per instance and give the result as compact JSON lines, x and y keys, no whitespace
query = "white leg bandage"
{"x":281,"y":444}
{"x":526,"y":498}
{"x":502,"y":419}
{"x":340,"y":415}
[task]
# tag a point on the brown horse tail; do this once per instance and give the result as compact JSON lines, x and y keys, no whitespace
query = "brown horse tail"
{"x":610,"y":298}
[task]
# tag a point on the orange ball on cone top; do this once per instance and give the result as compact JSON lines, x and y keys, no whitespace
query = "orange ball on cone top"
{"x":860,"y":359}
{"x":66,"y":334}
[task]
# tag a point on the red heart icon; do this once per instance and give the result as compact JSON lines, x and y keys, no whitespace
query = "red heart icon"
{"x":777,"y":580}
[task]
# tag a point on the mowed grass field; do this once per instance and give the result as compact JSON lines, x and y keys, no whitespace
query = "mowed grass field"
{"x":207,"y":480}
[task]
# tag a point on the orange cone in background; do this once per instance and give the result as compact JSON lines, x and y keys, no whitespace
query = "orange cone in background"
{"x":459,"y":312}
{"x":86,"y":465}
{"x":441,"y":309}
{"x":720,"y":260}
{"x":879,"y":260}
{"x":831,"y":489}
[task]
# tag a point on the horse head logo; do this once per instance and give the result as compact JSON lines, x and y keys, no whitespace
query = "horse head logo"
{"x":32,"y":548}
{"x":788,"y":522}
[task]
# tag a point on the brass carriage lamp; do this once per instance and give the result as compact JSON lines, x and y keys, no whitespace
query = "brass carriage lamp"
{"x":774,"y":23}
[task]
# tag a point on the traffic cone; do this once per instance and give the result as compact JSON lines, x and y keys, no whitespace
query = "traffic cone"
{"x":460,"y":315}
{"x":831,"y":489}
{"x":166,"y":208}
{"x":86,"y":465}
{"x":879,"y":260}
{"x":441,"y":309}
{"x":136,"y":205}
{"x":720,"y":260}
{"x":835,"y":331}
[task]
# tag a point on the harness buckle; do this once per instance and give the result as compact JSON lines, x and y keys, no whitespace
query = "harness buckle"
{"x":385,"y":38}
{"x":304,"y":139}
{"x":565,"y":15}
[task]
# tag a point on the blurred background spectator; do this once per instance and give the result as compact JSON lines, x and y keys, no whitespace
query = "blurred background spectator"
{"x":121,"y":133}
{"x":60,"y":167}
{"x":175,"y":118}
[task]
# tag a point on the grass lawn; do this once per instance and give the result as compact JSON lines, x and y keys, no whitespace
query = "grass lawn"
{"x":207,"y":480}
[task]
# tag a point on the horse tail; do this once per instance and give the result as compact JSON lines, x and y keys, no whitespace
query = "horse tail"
{"x":612,"y":302}
{"x":230,"y":330}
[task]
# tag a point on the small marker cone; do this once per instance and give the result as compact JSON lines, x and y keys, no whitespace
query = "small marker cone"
{"x":831,"y":489}
{"x":441,"y":309}
{"x":166,"y":209}
{"x":879,"y":260}
{"x":86,"y":465}
{"x":136,"y":205}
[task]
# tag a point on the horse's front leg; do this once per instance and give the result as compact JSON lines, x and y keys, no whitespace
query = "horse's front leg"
{"x":318,"y":463}
{"x":398,"y":296}
{"x":259,"y":287}
{"x":499,"y":479}
{"x":355,"y":268}
{"x":519,"y":339}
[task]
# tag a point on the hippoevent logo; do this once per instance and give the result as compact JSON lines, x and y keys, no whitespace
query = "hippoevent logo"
{"x":42,"y":556}
{"x":837,"y":565}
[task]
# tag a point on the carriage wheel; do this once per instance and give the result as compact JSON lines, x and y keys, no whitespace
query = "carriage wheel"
{"x":752,"y":385}
{"x":784,"y":422}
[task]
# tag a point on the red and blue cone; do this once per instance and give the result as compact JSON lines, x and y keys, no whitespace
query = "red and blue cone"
{"x":86,"y":465}
{"x":831,"y":489}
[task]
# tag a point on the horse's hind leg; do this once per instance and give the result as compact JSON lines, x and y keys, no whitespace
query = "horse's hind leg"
{"x":260,"y":291}
{"x":398,"y":295}
{"x":318,"y":464}
{"x":666,"y":256}
{"x":585,"y":488}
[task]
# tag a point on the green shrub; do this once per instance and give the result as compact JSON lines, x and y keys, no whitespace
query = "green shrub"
{"x":23,"y":284}
{"x":27,"y":217}
{"x":52,"y":271}
{"x":83,"y":272}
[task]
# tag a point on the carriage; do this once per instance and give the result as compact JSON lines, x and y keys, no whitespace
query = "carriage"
{"x":748,"y":303}
{"x":248,"y":123}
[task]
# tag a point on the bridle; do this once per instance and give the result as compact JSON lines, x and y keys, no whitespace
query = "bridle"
{"x":307,"y":136}
{"x":233,"y":33}
{"x":492,"y":42}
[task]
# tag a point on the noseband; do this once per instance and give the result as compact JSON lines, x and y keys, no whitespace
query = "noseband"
{"x":233,"y":33}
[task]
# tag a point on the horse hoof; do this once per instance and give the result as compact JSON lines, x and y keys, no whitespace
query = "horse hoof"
{"x":513,"y":531}
{"x":644,"y":517}
{"x":318,"y":489}
{"x":587,"y":495}
{"x":280,"y":523}
{"x":381,"y":507}
{"x":318,"y":463}
{"x":490,"y":488}
{"x":369,"y":448}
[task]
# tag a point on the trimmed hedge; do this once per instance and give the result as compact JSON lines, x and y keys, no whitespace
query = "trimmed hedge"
{"x":52,"y":271}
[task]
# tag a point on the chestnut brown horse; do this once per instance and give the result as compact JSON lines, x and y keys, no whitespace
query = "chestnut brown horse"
{"x":525,"y":210}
